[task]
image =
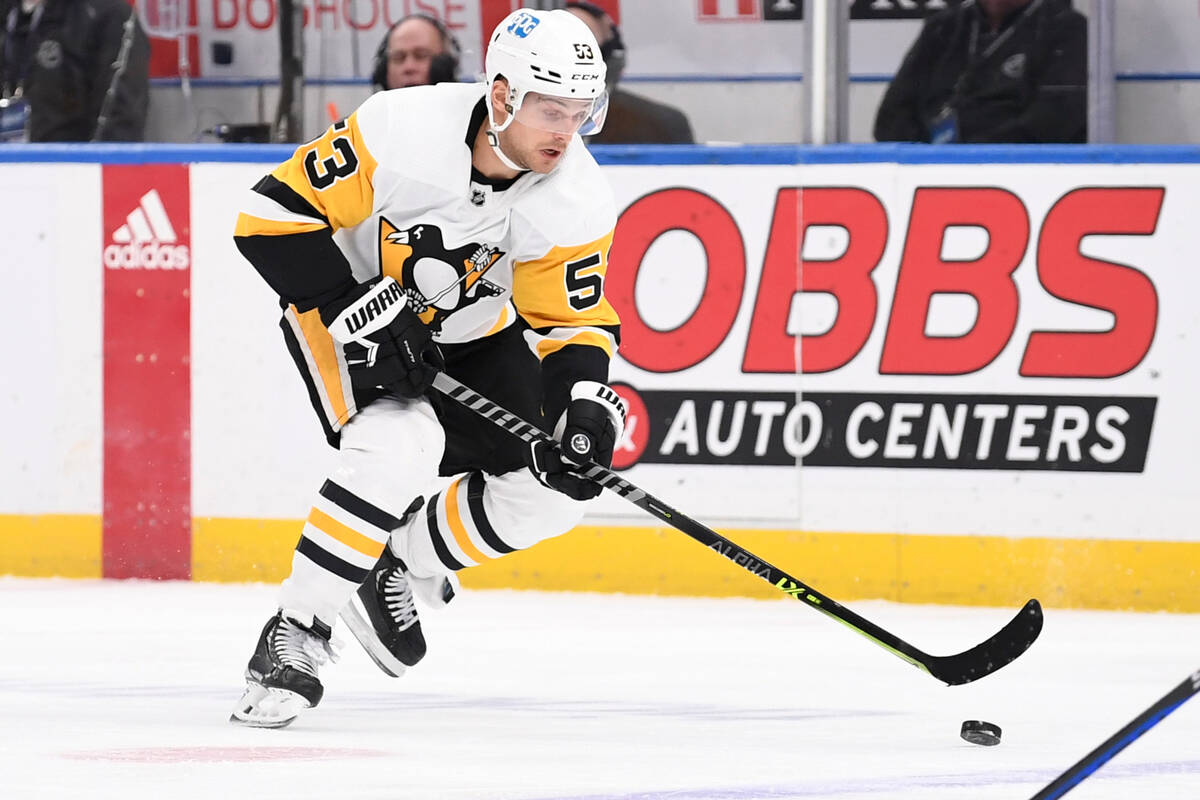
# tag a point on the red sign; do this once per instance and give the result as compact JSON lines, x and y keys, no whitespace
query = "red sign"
{"x":146,"y":258}
{"x":1063,"y":271}
{"x":628,"y":451}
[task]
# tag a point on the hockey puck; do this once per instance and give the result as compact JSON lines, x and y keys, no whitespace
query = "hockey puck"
{"x":977,"y":731}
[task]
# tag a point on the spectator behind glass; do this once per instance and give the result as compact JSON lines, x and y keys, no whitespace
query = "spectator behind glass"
{"x":632,"y":119}
{"x":992,"y":71}
{"x":416,"y":51}
{"x":73,"y":71}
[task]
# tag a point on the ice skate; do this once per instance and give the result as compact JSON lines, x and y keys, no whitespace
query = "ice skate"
{"x":382,"y":615}
{"x":281,"y":678}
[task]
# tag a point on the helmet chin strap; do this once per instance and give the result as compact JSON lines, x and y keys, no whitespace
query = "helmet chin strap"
{"x":493,"y":137}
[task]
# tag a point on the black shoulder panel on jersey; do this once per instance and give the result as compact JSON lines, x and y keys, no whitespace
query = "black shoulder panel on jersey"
{"x":306,"y":269}
{"x":286,"y":196}
{"x":562,"y":369}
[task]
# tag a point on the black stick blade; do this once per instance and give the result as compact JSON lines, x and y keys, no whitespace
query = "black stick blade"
{"x":983,"y":659}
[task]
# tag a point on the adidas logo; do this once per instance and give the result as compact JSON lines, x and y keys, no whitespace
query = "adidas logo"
{"x":147,"y":239}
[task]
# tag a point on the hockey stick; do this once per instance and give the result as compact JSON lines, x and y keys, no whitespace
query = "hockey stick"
{"x":1121,"y":739}
{"x":1011,"y":641}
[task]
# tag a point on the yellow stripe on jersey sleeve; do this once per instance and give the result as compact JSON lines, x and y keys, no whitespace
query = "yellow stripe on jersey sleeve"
{"x":249,"y":225}
{"x":565,"y":287}
{"x":335,"y":173}
{"x":594,"y":338}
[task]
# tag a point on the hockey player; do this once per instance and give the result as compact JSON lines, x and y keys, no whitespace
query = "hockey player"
{"x":451,"y":227}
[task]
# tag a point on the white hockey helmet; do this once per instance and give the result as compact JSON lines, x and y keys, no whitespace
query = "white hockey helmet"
{"x":548,"y":54}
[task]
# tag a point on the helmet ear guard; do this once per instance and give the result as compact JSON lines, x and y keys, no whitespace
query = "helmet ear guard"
{"x":493,"y":130}
{"x":508,"y":107}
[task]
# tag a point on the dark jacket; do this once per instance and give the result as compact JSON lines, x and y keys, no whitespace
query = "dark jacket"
{"x":633,"y":119}
{"x":72,"y":60}
{"x":1031,"y":87}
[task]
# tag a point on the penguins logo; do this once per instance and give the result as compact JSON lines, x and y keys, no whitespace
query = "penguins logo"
{"x":437,"y":281}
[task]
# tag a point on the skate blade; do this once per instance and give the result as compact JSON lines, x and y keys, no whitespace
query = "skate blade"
{"x":261,"y":707}
{"x":356,"y":620}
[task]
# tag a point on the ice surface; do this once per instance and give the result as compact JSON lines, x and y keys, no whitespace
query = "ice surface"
{"x":123,"y":690}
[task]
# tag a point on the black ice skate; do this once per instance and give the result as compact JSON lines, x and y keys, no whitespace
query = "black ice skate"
{"x":281,"y":678}
{"x":383,"y":617}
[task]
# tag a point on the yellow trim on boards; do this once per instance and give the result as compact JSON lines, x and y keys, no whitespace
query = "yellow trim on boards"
{"x":243,"y":550}
{"x":955,"y":570}
{"x":51,"y":545}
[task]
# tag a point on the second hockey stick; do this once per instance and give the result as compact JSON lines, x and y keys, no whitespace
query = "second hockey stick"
{"x":985,"y":658}
{"x":1121,"y":739}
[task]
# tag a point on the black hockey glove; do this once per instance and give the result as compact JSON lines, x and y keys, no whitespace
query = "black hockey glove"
{"x":384,"y":341}
{"x":588,"y":431}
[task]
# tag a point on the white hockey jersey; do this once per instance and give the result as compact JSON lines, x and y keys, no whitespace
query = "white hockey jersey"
{"x":393,"y":185}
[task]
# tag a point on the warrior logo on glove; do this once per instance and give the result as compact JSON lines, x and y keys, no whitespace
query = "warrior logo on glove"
{"x":587,"y":431}
{"x":380,"y":302}
{"x":385,"y":344}
{"x":581,"y":444}
{"x":437,"y":281}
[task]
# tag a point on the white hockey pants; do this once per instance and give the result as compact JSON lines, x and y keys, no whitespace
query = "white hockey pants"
{"x":390,"y":452}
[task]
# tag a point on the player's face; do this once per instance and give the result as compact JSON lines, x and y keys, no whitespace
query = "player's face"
{"x":534,"y":149}
{"x":411,"y":48}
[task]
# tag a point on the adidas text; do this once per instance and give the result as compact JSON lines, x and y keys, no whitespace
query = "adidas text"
{"x":150,"y":255}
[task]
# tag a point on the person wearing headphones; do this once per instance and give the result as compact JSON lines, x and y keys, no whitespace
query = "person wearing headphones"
{"x":632,"y":119}
{"x":416,"y":51}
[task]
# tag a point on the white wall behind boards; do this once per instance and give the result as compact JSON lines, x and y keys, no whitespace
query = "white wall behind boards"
{"x":50,"y":396}
{"x":966,"y":265}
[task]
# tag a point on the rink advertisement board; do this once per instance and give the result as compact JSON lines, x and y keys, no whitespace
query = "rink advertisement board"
{"x":936,"y":382}
{"x":979,"y":332}
{"x":147,"y":354}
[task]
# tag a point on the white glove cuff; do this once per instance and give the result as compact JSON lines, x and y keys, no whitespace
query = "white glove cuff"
{"x":609,"y":400}
{"x":372,"y":312}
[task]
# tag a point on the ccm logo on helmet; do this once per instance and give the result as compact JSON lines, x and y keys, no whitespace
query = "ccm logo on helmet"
{"x":584,"y":77}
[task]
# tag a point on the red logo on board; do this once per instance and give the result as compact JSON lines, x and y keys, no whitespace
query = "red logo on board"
{"x":629,"y":449}
{"x":147,"y":213}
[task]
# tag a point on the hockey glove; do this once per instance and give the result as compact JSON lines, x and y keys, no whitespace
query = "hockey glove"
{"x":589,"y":429}
{"x":384,"y":341}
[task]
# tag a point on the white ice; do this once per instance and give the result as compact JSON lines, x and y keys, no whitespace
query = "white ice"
{"x":123,"y":690}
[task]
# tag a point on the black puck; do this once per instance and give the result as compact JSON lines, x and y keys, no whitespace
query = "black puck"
{"x":977,"y":731}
